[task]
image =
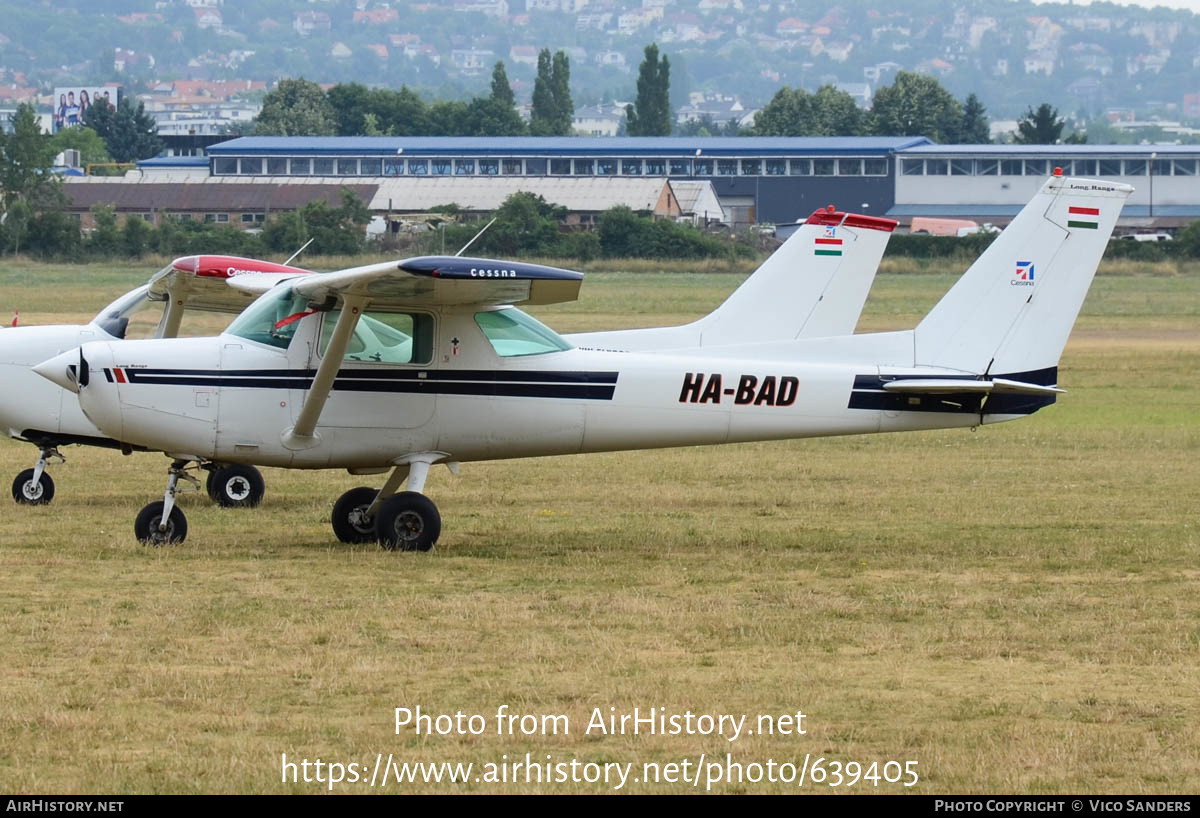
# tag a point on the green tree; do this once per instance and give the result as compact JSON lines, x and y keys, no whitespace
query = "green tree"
{"x":350,"y":103}
{"x":26,"y":156}
{"x":105,"y":238}
{"x":296,"y":107}
{"x":560,"y":88}
{"x":789,"y":113}
{"x":545,"y":118}
{"x":525,"y":224}
{"x":836,"y":114}
{"x":92,"y":149}
{"x":975,"y":130}
{"x":502,"y":91}
{"x":136,"y":236}
{"x":1040,"y":127}
{"x":650,"y":113}
{"x":916,"y":105}
{"x":134,"y":133}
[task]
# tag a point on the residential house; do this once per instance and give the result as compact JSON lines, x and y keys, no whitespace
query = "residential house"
{"x":307,"y":23}
{"x":523,"y":55}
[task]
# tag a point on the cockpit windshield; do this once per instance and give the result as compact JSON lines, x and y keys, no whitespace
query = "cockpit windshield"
{"x":273,"y":319}
{"x":114,"y":319}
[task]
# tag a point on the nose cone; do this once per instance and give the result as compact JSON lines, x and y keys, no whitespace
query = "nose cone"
{"x":65,"y":370}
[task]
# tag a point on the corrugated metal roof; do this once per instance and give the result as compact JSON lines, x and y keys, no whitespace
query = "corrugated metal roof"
{"x":578,"y":194}
{"x":195,"y":197}
{"x":970,"y":211}
{"x":1073,"y":151}
{"x":562,"y":145}
{"x":174,"y":162}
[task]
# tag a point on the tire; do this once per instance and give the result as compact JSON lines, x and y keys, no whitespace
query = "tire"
{"x":145,"y":527}
{"x":236,"y":486}
{"x":28,"y":493}
{"x":408,"y":521}
{"x":347,"y":523}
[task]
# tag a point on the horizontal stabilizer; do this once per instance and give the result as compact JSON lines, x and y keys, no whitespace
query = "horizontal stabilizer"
{"x":942,"y":386}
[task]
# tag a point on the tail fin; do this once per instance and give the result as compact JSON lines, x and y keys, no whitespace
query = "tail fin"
{"x":814,"y":285}
{"x":1012,"y":311}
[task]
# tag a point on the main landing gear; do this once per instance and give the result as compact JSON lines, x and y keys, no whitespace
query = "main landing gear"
{"x":163,"y":523}
{"x":33,"y":487}
{"x":404,"y":521}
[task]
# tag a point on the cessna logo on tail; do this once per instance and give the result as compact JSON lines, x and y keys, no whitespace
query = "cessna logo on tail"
{"x":1023,"y":277}
{"x":770,"y":391}
{"x":479,"y":272}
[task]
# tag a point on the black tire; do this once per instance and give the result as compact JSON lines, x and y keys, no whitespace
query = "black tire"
{"x":236,"y":486}
{"x":408,"y":521}
{"x":348,"y":524}
{"x":145,"y":527}
{"x":28,"y":493}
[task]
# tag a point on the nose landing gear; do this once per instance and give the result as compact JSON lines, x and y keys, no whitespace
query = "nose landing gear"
{"x":162,"y":522}
{"x":33,"y":487}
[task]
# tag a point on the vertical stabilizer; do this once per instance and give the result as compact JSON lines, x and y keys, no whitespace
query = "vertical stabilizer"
{"x":813,"y":285}
{"x":1012,"y":311}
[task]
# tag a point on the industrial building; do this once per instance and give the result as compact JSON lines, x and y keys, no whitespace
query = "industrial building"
{"x":737,"y":181}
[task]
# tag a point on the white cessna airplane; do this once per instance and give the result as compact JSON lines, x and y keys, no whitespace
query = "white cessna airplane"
{"x":398,"y":366}
{"x":792,"y":294}
{"x":33,"y":410}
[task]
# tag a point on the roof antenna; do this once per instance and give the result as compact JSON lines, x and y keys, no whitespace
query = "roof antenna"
{"x":292,"y":257}
{"x":463,"y":249}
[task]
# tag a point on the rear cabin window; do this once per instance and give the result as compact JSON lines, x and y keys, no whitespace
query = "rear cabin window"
{"x":513,"y":333}
{"x":385,"y":337}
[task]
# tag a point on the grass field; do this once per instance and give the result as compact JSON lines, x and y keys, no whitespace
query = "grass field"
{"x":1015,"y":609}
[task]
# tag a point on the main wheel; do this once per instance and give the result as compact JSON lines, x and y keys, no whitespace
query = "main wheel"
{"x":408,"y":521}
{"x":145,"y":527}
{"x":28,"y":493}
{"x":350,"y":521}
{"x":236,"y":486}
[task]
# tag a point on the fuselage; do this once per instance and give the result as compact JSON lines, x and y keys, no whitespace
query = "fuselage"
{"x":31,"y":407}
{"x":475,"y":394}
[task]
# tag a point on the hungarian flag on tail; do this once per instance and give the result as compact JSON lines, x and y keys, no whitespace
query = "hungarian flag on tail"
{"x":1086,"y":217}
{"x":827,"y":245}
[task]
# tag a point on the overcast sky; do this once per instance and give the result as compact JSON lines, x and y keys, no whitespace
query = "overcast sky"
{"x":1190,"y":5}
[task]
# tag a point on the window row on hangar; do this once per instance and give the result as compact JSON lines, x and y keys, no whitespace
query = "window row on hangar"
{"x":962,"y":166}
{"x":513,"y":166}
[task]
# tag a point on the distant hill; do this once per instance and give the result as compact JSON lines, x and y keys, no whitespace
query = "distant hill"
{"x":1082,"y":60}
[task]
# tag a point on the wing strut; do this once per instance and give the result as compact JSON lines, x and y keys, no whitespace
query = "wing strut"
{"x":301,"y":435}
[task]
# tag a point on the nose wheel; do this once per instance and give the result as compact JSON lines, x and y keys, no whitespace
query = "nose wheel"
{"x":31,"y":490}
{"x":162,"y":522}
{"x":33,"y":487}
{"x":153,"y":527}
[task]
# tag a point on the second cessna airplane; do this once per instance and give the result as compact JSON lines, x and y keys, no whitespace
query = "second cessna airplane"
{"x":398,"y":366}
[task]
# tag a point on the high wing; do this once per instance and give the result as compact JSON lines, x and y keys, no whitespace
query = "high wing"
{"x":200,"y":282}
{"x":434,"y":281}
{"x":430,"y":281}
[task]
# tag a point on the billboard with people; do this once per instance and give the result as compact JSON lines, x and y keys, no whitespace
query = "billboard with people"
{"x":71,"y":103}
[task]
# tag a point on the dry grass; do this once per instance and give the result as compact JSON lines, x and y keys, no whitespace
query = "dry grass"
{"x":1016,"y":609}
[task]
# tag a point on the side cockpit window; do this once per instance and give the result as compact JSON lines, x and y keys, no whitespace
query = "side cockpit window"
{"x":272,"y":319}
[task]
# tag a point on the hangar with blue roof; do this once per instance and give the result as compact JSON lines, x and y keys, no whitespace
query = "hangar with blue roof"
{"x":757,"y":179}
